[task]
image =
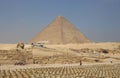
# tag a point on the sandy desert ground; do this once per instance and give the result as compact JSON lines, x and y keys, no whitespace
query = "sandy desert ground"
{"x":63,"y":61}
{"x":72,"y":53}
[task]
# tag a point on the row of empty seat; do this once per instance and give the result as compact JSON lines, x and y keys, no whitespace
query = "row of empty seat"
{"x":86,"y":71}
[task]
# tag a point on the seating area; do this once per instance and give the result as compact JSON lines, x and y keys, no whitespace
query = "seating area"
{"x":85,"y":71}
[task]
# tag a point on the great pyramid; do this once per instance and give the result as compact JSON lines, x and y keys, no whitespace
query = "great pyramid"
{"x":60,"y":31}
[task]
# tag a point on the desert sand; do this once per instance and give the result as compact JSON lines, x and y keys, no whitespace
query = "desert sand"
{"x":72,"y":53}
{"x":62,"y":61}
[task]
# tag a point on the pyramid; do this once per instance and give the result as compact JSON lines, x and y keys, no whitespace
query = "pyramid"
{"x":60,"y":31}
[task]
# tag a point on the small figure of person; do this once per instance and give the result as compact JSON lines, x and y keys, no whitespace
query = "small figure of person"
{"x":32,"y":45}
{"x":111,"y":60}
{"x":80,"y":62}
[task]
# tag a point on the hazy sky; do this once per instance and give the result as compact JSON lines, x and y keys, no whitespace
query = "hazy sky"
{"x":21,"y":20}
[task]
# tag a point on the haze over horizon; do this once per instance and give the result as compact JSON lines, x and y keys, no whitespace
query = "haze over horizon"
{"x":21,"y":20}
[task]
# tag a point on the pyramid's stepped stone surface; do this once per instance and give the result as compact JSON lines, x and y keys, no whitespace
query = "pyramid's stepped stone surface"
{"x":61,"y":31}
{"x":13,"y":56}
